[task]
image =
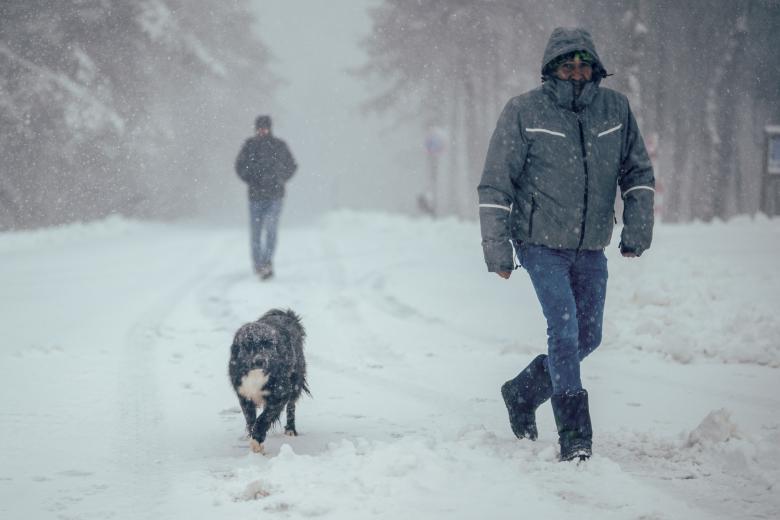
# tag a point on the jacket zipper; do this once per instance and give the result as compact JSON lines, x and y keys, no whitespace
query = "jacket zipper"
{"x":585,"y":165}
{"x":531,"y":218}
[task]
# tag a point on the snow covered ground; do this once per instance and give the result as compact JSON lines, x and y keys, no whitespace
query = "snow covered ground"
{"x":115,"y":400}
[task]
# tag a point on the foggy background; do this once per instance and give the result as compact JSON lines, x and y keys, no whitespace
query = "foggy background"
{"x":346,"y":156}
{"x":139,"y":108}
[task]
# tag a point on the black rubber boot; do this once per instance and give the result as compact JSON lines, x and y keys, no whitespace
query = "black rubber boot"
{"x":523,"y":395}
{"x":572,"y":417}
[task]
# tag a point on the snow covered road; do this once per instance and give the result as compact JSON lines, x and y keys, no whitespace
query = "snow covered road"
{"x":116,"y":404}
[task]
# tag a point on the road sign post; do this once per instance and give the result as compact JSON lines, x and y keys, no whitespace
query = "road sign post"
{"x":770,"y":185}
{"x":434,"y":146}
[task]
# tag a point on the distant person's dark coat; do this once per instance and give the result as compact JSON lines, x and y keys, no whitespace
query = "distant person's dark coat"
{"x":265,"y":164}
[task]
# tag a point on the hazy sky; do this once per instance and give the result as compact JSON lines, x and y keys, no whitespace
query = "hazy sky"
{"x":346,"y":158}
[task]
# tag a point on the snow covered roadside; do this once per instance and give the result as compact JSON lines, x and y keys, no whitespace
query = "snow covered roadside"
{"x":116,"y":402}
{"x":709,"y":292}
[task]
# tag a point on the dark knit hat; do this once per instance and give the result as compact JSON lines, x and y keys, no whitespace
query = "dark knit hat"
{"x":263,"y":122}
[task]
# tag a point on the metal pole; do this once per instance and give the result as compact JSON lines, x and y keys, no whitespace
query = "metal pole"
{"x":764,"y":196}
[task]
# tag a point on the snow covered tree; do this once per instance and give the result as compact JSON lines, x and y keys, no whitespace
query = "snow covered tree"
{"x":110,"y":106}
{"x":451,"y":64}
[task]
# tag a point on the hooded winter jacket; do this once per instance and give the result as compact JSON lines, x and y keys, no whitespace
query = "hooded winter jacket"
{"x":554,"y":164}
{"x":265,"y":164}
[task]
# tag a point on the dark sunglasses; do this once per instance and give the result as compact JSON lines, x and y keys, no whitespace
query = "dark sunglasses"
{"x":585,"y":57}
{"x":569,"y":67}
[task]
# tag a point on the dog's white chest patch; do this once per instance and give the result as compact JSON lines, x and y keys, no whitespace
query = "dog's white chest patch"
{"x":252,"y":386}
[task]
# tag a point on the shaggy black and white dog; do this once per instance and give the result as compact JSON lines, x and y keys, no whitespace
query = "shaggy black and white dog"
{"x":268,"y":371}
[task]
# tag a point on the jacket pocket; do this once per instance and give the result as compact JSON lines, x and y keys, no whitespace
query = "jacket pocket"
{"x":531,"y":217}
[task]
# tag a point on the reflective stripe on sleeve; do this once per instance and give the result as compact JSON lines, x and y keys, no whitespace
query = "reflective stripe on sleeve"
{"x":505,"y":208}
{"x":638,"y":188}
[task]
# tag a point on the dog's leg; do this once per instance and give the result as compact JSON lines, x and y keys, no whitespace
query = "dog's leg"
{"x":270,"y":414}
{"x":289,"y":429}
{"x":250,"y":413}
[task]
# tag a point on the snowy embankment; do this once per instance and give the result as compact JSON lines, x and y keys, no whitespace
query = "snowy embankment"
{"x":116,"y":403}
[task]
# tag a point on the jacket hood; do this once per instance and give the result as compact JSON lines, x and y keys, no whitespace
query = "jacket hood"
{"x":564,"y":40}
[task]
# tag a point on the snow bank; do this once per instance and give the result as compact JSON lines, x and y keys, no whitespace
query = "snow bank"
{"x":112,"y":226}
{"x":703,"y":292}
{"x":474,"y":475}
{"x":717,"y":442}
{"x":710,"y":464}
{"x":715,"y":428}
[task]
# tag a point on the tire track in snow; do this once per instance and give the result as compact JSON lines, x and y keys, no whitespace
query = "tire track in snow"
{"x":142,"y":453}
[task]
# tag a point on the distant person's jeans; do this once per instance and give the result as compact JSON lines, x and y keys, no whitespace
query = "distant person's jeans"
{"x":264,"y":220}
{"x":571,"y":286}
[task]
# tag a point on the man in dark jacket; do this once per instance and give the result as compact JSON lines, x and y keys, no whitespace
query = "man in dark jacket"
{"x":548,"y":188}
{"x":265,"y":164}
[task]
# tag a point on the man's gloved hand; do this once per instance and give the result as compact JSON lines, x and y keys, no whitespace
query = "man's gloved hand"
{"x":629,"y":252}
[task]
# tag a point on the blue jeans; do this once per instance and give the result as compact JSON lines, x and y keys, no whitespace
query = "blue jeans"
{"x":571,"y":286}
{"x":264,"y":219}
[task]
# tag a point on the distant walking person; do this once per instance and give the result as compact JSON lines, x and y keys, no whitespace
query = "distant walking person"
{"x":555,"y":160}
{"x":265,"y":164}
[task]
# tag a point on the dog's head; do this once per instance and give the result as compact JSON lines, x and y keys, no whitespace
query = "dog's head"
{"x":287,"y":321}
{"x":257,"y":345}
